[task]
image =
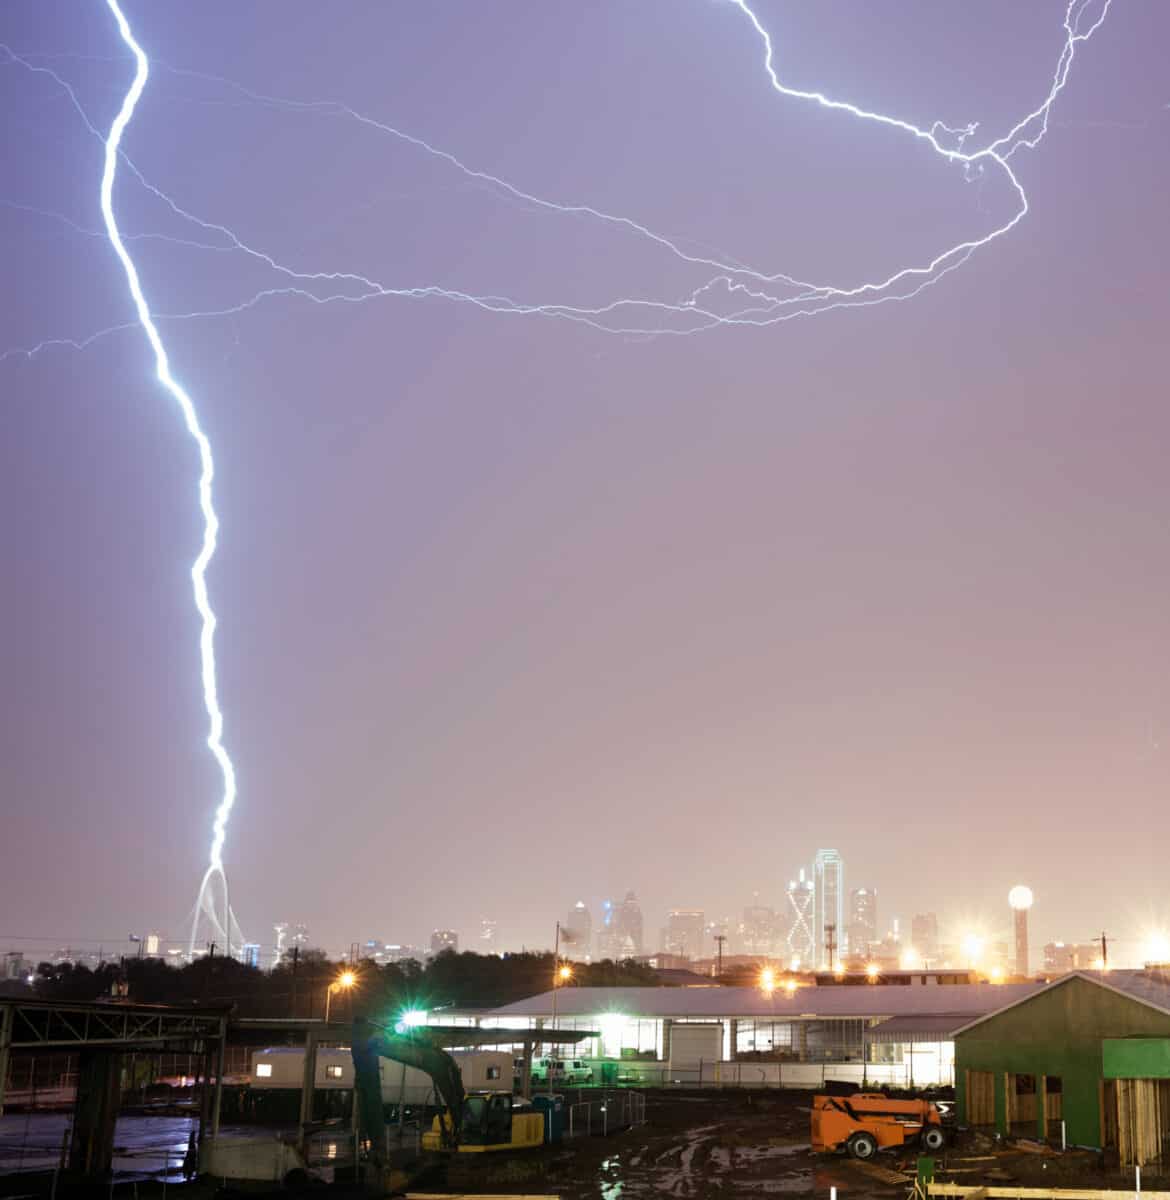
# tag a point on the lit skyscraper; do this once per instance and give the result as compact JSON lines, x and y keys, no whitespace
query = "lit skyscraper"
{"x":829,"y":903}
{"x":627,"y":923}
{"x":924,"y":937}
{"x":758,"y":934}
{"x":861,"y":932}
{"x":577,"y":933}
{"x":799,"y":919}
{"x":684,"y":932}
{"x":1020,"y":899}
{"x":444,"y":939}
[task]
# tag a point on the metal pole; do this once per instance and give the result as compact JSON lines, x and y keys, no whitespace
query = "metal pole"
{"x":556,"y":973}
{"x":6,"y":1020}
{"x":220,"y":1057}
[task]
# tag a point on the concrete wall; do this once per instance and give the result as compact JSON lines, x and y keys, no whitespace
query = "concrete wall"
{"x":1058,"y":1032}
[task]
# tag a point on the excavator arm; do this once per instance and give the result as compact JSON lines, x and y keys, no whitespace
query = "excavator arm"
{"x":371,"y":1043}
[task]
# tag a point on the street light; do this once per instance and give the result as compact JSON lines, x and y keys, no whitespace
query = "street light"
{"x":768,"y":980}
{"x":345,"y":981}
{"x":564,"y":973}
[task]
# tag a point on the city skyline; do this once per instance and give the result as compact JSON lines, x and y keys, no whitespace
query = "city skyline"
{"x":892,"y":581}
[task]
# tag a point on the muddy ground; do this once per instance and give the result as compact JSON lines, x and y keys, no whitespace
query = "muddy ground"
{"x":713,"y":1144}
{"x":746,"y":1144}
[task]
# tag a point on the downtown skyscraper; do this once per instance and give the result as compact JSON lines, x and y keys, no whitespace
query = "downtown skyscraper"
{"x":828,"y":907}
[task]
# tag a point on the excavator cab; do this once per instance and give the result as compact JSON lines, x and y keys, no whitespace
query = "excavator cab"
{"x":487,"y":1119}
{"x":490,"y":1123}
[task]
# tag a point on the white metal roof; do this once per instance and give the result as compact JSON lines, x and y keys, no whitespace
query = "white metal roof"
{"x":928,"y":1027}
{"x":872,"y":1000}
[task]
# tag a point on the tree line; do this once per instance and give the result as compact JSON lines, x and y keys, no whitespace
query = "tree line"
{"x":298,"y":988}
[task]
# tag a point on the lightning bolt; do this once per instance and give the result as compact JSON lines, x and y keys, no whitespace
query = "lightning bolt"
{"x":730,"y":293}
{"x":182,"y":398}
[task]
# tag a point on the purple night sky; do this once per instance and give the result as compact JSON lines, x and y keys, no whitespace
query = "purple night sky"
{"x":515,"y":612}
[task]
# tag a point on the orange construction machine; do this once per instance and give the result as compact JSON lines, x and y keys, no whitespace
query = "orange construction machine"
{"x":868,"y":1122}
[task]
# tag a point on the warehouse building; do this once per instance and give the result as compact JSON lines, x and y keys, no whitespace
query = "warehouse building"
{"x":1088,"y":1054}
{"x":803,"y":1036}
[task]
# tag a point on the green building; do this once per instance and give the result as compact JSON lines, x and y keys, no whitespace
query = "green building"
{"x":1086,"y":1058}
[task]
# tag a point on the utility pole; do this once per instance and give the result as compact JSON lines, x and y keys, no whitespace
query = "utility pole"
{"x":296,"y":955}
{"x":830,"y":942}
{"x":554,"y":1048}
{"x":1104,"y":952}
{"x":720,"y":938}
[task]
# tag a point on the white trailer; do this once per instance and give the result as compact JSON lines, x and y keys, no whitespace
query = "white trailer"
{"x":282,"y":1067}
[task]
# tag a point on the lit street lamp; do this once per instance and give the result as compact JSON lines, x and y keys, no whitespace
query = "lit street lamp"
{"x":345,"y":981}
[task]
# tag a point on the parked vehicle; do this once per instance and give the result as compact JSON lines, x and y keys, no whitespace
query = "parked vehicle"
{"x":867,"y":1122}
{"x":561,"y":1070}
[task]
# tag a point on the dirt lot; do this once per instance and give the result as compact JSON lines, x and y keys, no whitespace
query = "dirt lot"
{"x":734,"y":1144}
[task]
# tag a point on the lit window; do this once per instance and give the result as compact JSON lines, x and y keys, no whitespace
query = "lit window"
{"x":493,"y":1072}
{"x":332,"y":1072}
{"x":263,"y":1070}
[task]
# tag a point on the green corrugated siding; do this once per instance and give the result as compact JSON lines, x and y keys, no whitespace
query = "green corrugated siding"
{"x":1058,"y":1032}
{"x":1135,"y":1058}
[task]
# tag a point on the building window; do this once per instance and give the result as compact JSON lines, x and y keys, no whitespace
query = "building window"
{"x":263,"y":1070}
{"x":332,"y":1072}
{"x":493,"y":1072}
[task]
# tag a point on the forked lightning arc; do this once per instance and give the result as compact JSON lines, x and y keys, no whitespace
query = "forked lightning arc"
{"x":726,"y":294}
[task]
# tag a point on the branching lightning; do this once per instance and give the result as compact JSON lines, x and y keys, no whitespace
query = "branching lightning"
{"x":725,"y":292}
{"x":206,"y":463}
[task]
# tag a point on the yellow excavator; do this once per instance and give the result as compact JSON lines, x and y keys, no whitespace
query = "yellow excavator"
{"x":480,"y":1122}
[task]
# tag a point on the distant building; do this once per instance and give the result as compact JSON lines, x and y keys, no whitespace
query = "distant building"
{"x":1061,"y":957}
{"x":759,"y":932}
{"x":16,"y":966}
{"x":251,"y":954}
{"x":577,"y":933}
{"x":829,"y":904}
{"x":620,"y":935}
{"x":799,"y":937}
{"x":924,"y":937}
{"x":152,"y":945}
{"x":629,"y":926}
{"x":861,"y":931}
{"x":444,"y":939}
{"x":684,"y":933}
{"x":397,"y":952}
{"x":279,"y":945}
{"x":488,"y":931}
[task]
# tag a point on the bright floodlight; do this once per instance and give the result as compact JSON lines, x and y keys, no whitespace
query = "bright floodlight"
{"x":767,"y":980}
{"x":1020,"y":897}
{"x":346,"y":979}
{"x":1157,"y":948}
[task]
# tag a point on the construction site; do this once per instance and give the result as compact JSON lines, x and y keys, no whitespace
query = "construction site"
{"x":1059,"y":1091}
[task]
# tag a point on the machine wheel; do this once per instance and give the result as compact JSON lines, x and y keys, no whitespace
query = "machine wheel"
{"x":933,"y":1138}
{"x":862,"y":1145}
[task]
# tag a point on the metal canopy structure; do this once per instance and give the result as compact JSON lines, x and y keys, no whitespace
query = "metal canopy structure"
{"x":46,"y":1025}
{"x":100,"y":1033}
